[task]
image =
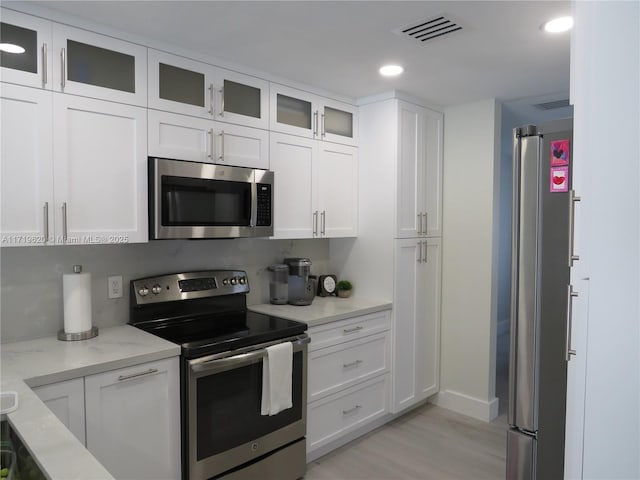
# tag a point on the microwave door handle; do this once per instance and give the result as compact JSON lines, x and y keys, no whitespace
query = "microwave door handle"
{"x":254,"y":205}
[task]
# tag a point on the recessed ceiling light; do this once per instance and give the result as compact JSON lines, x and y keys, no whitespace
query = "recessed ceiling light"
{"x":557,"y":25}
{"x":11,"y":48}
{"x":391,"y":70}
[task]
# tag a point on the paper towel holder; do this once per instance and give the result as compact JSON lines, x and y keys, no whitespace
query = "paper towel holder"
{"x":70,"y":337}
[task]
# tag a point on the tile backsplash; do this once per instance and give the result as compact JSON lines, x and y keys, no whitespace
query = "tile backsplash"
{"x":31,"y":277}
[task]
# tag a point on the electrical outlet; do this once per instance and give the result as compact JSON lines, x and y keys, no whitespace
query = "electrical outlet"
{"x":115,"y":286}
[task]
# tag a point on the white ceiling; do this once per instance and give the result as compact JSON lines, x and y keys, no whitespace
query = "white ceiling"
{"x":339,"y":45}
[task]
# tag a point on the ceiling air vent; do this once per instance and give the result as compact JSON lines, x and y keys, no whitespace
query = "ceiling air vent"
{"x":553,"y":105}
{"x":429,"y":29}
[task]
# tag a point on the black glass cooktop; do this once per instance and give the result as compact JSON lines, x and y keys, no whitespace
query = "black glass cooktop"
{"x":206,"y":335}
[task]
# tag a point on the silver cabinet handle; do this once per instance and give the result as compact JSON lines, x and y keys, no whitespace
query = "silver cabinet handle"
{"x":419,"y":224}
{"x":211,"y":144}
{"x":351,"y":410}
{"x":352,"y":364}
{"x":212,"y":99}
{"x":424,"y":228}
{"x":324,"y":221}
{"x":221,"y":157}
{"x":354,"y":329}
{"x":572,"y":205}
{"x":63,"y":60}
{"x":322,"y":132}
{"x":136,"y":375}
{"x":424,"y":252}
{"x":45,"y":73}
{"x":221,"y":102}
{"x":419,"y":252}
{"x":64,"y":222}
{"x":315,"y":223}
{"x":46,"y":221}
{"x":570,"y":295}
{"x":315,"y":123}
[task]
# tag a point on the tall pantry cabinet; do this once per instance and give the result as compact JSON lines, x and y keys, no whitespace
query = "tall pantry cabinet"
{"x":398,"y":252}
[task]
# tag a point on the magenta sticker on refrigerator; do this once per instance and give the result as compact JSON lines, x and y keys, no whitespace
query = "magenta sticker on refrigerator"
{"x":559,"y":152}
{"x":559,"y":179}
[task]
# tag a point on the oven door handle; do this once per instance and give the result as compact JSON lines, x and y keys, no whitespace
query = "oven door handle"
{"x":235,"y":361}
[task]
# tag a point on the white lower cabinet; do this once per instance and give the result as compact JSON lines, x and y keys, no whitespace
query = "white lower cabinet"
{"x":131,"y":417}
{"x":348,"y":376}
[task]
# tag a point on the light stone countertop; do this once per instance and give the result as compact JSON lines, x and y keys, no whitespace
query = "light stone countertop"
{"x":42,"y":361}
{"x":324,"y":309}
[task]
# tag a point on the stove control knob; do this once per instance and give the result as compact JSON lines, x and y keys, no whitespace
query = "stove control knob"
{"x":234,"y":280}
{"x":144,"y":291}
{"x":225,"y":281}
{"x":242,"y":280}
{"x":156,"y":289}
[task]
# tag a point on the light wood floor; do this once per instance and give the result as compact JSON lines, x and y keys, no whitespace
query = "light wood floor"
{"x":427,"y":443}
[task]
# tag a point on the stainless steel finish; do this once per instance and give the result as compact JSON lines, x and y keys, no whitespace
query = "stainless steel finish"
{"x":424,"y":251}
{"x":351,"y":410}
{"x":521,"y":453}
{"x":122,"y":378}
{"x":315,"y":123}
{"x":572,"y":205}
{"x":211,"y":148}
{"x":322,"y":132}
{"x":324,"y":221}
{"x":288,"y":463}
{"x":72,"y":337}
{"x":45,"y":72}
{"x":353,"y":329}
{"x":212,"y":100}
{"x":221,"y":157}
{"x":46,"y":221}
{"x":352,"y":364}
{"x":419,"y":224}
{"x":222,"y":462}
{"x":419,"y":252}
{"x":170,"y":286}
{"x":221,"y":362}
{"x":315,"y":223}
{"x":64,"y":222}
{"x":160,"y":167}
{"x":570,"y":295}
{"x":254,"y":206}
{"x":63,"y":72}
{"x":424,"y":228}
{"x":525,"y":266}
{"x":156,"y":289}
{"x":221,"y":102}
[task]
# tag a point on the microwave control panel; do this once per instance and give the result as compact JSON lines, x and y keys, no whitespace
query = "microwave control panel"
{"x":264,"y":205}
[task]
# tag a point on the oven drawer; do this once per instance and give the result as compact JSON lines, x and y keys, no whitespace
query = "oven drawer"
{"x":335,"y":368}
{"x":348,"y":329}
{"x":337,"y":415}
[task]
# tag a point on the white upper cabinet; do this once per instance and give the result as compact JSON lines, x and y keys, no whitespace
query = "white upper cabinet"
{"x":300,"y":113}
{"x":33,"y":67}
{"x":181,"y":85}
{"x":98,"y":66}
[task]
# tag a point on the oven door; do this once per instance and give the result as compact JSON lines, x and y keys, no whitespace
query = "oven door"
{"x":224,"y":393}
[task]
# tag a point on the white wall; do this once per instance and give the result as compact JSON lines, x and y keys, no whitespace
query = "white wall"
{"x":604,"y":377}
{"x":31,"y":277}
{"x":469,"y":264}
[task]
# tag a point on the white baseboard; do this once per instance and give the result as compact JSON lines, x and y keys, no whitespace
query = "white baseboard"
{"x":467,"y":405}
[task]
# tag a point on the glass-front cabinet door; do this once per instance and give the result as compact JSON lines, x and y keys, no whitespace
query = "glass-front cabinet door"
{"x":293,"y":111}
{"x":338,"y":122}
{"x":99,"y":66}
{"x":180,"y":85}
{"x":25,"y":58}
{"x":243,"y":99}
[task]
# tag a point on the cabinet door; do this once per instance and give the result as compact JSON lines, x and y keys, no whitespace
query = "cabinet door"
{"x":100,"y":160}
{"x":180,"y":85}
{"x":292,"y":163}
{"x":243,"y":99}
{"x":181,"y":137}
{"x":433,"y":172}
{"x":33,"y":66}
{"x":133,"y":420}
{"x":27,"y":166}
{"x":410,"y":202}
{"x":336,"y":177}
{"x":338,"y":122}
{"x":241,"y":146}
{"x":98,"y":66}
{"x":66,"y":401}
{"x":293,"y":111}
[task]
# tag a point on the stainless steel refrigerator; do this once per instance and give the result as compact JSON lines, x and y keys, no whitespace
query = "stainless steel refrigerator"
{"x":540,"y":296}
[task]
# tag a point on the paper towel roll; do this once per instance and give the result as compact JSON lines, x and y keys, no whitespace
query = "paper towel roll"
{"x":77,"y":302}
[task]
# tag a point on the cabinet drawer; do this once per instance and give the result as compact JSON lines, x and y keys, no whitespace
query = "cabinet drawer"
{"x":349,"y":329}
{"x":335,"y":368}
{"x":334,"y":416}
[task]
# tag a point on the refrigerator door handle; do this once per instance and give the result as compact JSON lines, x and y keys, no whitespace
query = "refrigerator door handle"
{"x":570,"y":295}
{"x":573,"y":198}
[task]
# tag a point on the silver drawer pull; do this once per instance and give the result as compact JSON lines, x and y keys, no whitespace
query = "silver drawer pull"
{"x":352,"y":364}
{"x":139,"y":374}
{"x":352,"y":330}
{"x":351,"y":410}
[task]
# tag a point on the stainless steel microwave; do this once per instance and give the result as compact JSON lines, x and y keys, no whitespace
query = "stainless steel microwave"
{"x":203,"y":200}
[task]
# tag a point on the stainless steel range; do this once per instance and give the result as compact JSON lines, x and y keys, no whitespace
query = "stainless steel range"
{"x":224,"y":435}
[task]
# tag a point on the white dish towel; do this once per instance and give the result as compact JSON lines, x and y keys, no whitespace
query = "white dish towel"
{"x":277,"y":368}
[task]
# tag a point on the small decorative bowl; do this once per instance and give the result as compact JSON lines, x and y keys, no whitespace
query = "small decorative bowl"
{"x":344,"y":293}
